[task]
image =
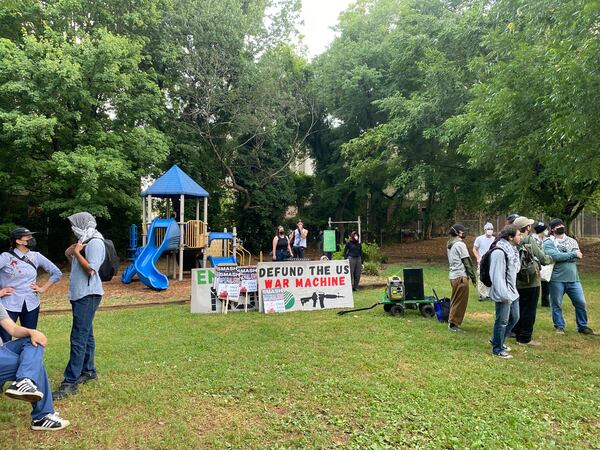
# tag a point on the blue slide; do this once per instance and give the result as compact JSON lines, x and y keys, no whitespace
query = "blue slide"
{"x":144,"y":265}
{"x":215,"y":260}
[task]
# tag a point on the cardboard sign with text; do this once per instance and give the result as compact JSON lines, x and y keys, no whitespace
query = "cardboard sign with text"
{"x":204,"y":294}
{"x":308,"y":285}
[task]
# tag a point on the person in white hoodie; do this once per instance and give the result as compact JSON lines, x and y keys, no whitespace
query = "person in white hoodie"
{"x":504,"y":266}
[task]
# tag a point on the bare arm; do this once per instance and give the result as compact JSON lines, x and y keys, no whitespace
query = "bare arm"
{"x":82,"y":261}
{"x":476,"y":253}
{"x":274,"y":248}
{"x":21,"y":332}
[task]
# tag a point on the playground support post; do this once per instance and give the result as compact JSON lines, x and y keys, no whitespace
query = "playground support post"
{"x":357,"y":221}
{"x":205,"y":252}
{"x":144,"y":232}
{"x":181,"y":234}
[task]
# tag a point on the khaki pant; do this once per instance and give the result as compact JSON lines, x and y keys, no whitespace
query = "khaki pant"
{"x":484,"y":291}
{"x":459,"y":300}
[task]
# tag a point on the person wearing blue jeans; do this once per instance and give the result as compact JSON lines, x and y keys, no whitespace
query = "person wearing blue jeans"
{"x":19,"y":270}
{"x":85,"y":295}
{"x":22,"y":361}
{"x":504,"y":266}
{"x":564,"y":250}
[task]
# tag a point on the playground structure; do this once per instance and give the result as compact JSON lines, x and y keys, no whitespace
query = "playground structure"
{"x":161,"y":236}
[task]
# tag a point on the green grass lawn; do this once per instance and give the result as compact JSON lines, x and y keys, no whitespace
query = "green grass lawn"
{"x":170,"y":379}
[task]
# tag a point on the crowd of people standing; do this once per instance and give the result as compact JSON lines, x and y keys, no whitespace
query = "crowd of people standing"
{"x":524,"y":259}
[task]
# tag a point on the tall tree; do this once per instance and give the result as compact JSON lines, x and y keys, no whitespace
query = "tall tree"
{"x":533,"y":122}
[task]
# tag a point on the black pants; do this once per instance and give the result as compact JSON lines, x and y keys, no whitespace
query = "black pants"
{"x":355,"y":270}
{"x":298,"y":252}
{"x":28,"y":319}
{"x":545,"y":293}
{"x":528,"y":299}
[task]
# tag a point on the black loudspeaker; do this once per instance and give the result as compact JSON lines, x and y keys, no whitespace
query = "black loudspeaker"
{"x":413,"y":284}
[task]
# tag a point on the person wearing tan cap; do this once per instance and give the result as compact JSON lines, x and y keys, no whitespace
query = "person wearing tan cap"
{"x":528,"y":281}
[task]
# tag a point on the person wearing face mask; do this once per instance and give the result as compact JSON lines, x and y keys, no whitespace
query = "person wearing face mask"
{"x":528,"y":281}
{"x":564,"y":250}
{"x":461,"y":267}
{"x":540,"y":235}
{"x":480,"y":247}
{"x":281,"y":245}
{"x":18,"y":273}
{"x":353,"y":252}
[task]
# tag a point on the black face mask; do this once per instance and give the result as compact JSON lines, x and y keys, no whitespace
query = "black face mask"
{"x":31,"y":243}
{"x":559,"y":230}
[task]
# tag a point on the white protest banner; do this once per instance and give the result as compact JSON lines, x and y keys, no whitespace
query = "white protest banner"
{"x":273,"y":300}
{"x":204,"y":294}
{"x":227,"y":282}
{"x":308,"y":285}
{"x":248,"y":275}
{"x":204,"y":298}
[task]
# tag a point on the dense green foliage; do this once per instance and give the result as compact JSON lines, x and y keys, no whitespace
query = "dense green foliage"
{"x":417,"y":111}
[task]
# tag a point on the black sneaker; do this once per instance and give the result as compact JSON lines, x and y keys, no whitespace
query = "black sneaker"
{"x":588,"y":331}
{"x":85,"y":377}
{"x":64,"y":391}
{"x":559,"y":331}
{"x":24,"y":389}
{"x":505,"y":347}
{"x":455,"y":328}
{"x":503,"y":355}
{"x":50,"y":422}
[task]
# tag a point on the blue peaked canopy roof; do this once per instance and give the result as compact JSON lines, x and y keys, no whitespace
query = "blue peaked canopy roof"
{"x":174,"y":183}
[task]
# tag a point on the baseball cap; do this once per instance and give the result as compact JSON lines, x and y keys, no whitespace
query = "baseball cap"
{"x":539,"y":227}
{"x":457,"y":227}
{"x":522,"y":221}
{"x":18,"y":233}
{"x":511,"y":218}
{"x":554,"y":223}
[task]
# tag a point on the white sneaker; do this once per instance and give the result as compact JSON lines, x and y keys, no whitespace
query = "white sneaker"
{"x":503,"y":355}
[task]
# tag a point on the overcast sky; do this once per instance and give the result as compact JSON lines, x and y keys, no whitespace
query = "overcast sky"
{"x":319,"y":16}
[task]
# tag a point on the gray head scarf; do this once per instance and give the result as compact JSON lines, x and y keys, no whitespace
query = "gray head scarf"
{"x":83,"y":225}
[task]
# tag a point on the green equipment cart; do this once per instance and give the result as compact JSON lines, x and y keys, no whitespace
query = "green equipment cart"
{"x":404,"y":293}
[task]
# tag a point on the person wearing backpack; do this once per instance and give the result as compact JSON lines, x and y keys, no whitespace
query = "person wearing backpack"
{"x":532,"y":257}
{"x":461,"y":267}
{"x":85,"y":294}
{"x":504,"y":264}
{"x":565,"y":278}
{"x":18,"y":273}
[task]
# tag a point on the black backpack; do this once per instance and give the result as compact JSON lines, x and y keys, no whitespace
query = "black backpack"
{"x":110,"y":266}
{"x":484,"y":266}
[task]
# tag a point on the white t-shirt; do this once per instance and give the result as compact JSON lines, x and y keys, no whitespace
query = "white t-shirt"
{"x":483,"y":244}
